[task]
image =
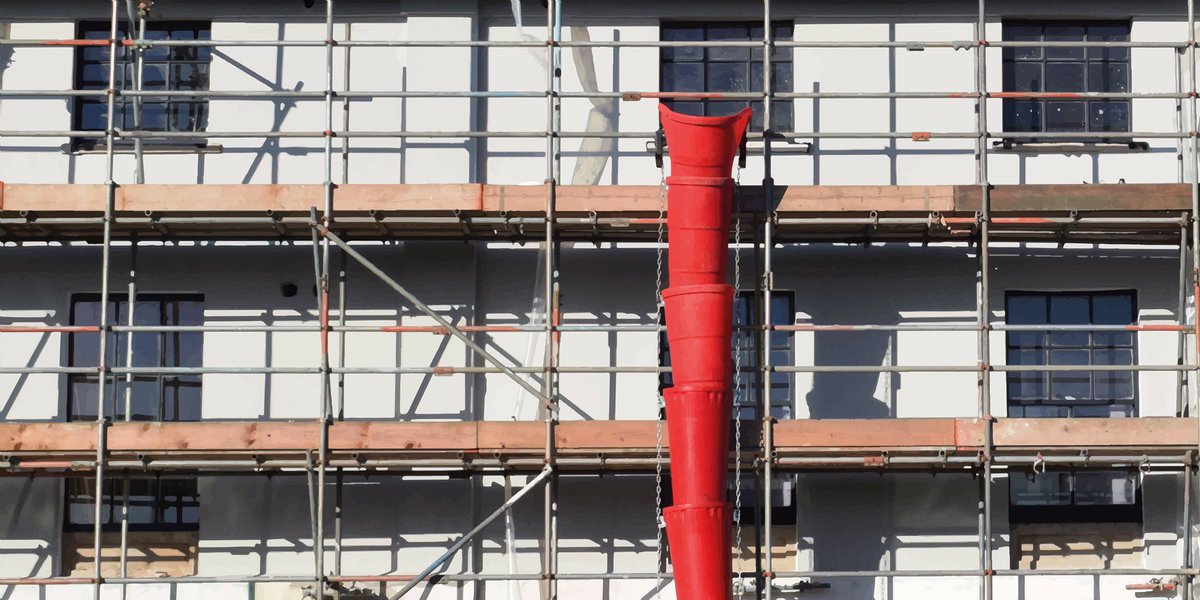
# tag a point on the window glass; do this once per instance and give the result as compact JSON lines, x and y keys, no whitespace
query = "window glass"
{"x":1093,"y":496}
{"x":1059,"y":69}
{"x":155,"y":504}
{"x":726,"y":69}
{"x":1074,"y":391}
{"x":151,"y":397}
{"x":163,"y":68}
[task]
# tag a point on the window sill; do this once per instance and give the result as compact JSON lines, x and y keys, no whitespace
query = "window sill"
{"x":157,"y":148}
{"x":1071,"y":147}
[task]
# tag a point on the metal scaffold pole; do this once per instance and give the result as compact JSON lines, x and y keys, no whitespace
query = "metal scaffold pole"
{"x":325,"y":410}
{"x":1190,"y":472}
{"x":984,"y":304}
{"x":550,"y":290}
{"x":767,"y":285}
{"x":102,"y":370}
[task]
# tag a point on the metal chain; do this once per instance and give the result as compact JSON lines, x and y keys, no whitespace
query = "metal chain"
{"x":659,"y":525}
{"x":737,"y":383}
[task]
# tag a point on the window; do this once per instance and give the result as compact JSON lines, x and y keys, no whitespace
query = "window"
{"x":748,"y":394}
{"x":1093,"y":496}
{"x":1057,"y":69}
{"x":158,"y":504}
{"x":154,"y":397}
{"x":1071,"y":393}
{"x":164,"y":511}
{"x":726,"y":69}
{"x":164,"y":526}
{"x":163,"y":68}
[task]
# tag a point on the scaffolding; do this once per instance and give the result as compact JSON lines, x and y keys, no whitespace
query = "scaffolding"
{"x":782,"y":448}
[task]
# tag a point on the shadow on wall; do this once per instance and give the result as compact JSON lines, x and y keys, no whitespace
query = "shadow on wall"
{"x":900,"y":521}
{"x":888,"y":283}
{"x":28,"y":532}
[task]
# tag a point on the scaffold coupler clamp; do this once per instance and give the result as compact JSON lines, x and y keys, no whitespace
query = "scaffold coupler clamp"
{"x":660,"y":144}
{"x":1039,"y":464}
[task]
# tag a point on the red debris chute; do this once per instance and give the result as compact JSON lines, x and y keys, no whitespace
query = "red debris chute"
{"x":699,"y":308}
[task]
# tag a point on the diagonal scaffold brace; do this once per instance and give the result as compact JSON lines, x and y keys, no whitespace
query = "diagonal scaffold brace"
{"x":429,"y":312}
{"x":448,"y":554}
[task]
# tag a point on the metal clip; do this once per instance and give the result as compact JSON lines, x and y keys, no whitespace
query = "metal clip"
{"x":742,"y":152}
{"x":1039,"y":464}
{"x":660,"y":143}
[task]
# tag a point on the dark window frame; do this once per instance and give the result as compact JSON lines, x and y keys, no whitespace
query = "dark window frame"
{"x":745,"y":305}
{"x":1090,"y":61}
{"x":1072,"y":511}
{"x":174,"y":62}
{"x":85,"y":488}
{"x":782,"y":60}
{"x":1091,"y":346}
{"x":114,"y":408}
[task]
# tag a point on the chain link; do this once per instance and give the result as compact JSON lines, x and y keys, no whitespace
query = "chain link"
{"x":737,"y":384}
{"x":659,"y":525}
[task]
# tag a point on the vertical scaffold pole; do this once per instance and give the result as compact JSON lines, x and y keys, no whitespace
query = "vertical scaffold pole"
{"x":110,"y":200}
{"x":323,"y":311}
{"x":550,"y":493}
{"x":1181,"y":378}
{"x":984,"y":305}
{"x":131,"y":303}
{"x":768,"y":445}
{"x":1194,"y":164}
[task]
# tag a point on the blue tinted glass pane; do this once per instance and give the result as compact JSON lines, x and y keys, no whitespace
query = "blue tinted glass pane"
{"x":683,"y":77}
{"x":204,"y":53}
{"x":1112,"y":115}
{"x":143,"y":498}
{"x":1064,"y":32}
{"x":781,"y":77}
{"x":1065,"y":116}
{"x":154,"y":77}
{"x":1064,"y":77}
{"x":93,"y":115}
{"x":94,"y":76}
{"x":1021,"y":32}
{"x":1111,"y":32}
{"x":1038,"y":411}
{"x":83,"y":400}
{"x":1023,"y":77}
{"x":688,"y":107}
{"x":1104,"y":488}
{"x":721,"y":108}
{"x":156,"y":52}
{"x":1027,"y":310}
{"x":1102,"y":411}
{"x":1043,"y":490}
{"x":1023,"y":115}
{"x":691,"y":33}
{"x":1108,"y":77}
{"x":1070,"y":386}
{"x":1112,"y":309}
{"x":781,"y":115}
{"x":729,"y":33}
{"x":727,"y":77}
{"x":189,"y":77}
{"x":1113,"y":385}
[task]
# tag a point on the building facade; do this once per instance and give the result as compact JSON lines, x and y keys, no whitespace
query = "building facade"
{"x":353,"y":275}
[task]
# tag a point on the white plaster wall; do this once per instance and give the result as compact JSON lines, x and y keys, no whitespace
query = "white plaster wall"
{"x":260,"y":525}
{"x":606,"y":161}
